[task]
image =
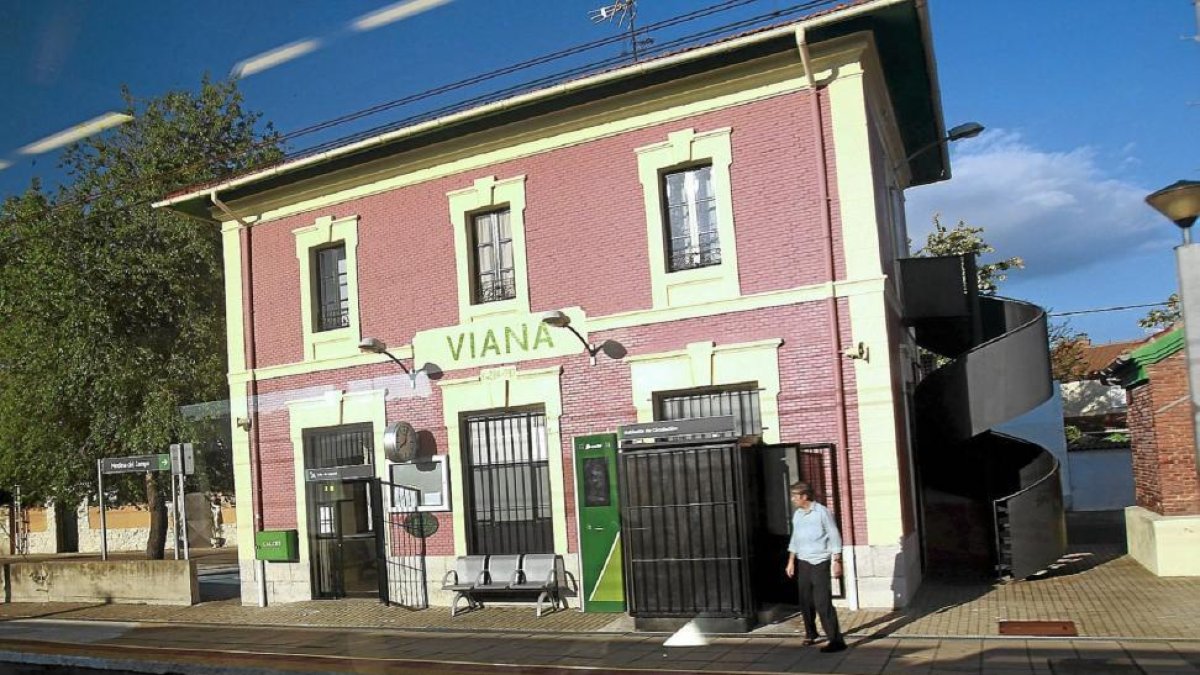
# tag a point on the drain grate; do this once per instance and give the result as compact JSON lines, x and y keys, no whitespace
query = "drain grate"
{"x":1038,"y":628}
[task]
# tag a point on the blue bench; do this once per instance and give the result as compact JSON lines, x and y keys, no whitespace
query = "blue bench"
{"x":541,"y":576}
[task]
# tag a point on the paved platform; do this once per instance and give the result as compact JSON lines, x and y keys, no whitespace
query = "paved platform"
{"x":1105,"y":595}
{"x":238,"y":649}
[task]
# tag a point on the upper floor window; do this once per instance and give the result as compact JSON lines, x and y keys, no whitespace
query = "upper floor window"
{"x":693,"y":239}
{"x":495,"y":277}
{"x":333,"y":291}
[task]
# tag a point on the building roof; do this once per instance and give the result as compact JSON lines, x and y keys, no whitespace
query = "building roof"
{"x":1097,"y":357}
{"x":900,"y":29}
{"x":1129,"y":370}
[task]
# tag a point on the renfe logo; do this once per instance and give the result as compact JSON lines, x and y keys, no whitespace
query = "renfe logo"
{"x":480,"y":346}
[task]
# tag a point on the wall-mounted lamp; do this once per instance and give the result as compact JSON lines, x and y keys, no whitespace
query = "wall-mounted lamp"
{"x":858,"y":352}
{"x":611,"y":348}
{"x":377,"y":346}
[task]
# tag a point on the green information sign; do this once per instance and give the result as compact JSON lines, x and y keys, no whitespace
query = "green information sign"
{"x":599,"y":523}
{"x":137,"y":464}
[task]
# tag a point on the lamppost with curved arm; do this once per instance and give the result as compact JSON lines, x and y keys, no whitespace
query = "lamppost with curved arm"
{"x":1180,"y":203}
{"x":377,"y":346}
{"x":611,"y":348}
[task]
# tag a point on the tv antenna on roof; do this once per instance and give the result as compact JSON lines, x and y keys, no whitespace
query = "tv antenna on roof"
{"x":622,"y":12}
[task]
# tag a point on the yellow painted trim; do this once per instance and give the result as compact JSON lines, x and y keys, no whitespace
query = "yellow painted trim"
{"x":238,"y":402}
{"x":705,"y":364}
{"x":340,"y":342}
{"x":488,"y":194}
{"x":333,"y":409}
{"x":851,"y":113}
{"x":681,"y":149}
{"x":499,"y":388}
{"x":811,"y":293}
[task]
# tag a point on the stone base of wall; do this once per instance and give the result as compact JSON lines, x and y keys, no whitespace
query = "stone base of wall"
{"x":887,"y":576}
{"x":1165,"y":545}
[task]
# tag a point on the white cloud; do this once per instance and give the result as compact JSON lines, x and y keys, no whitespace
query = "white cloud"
{"x":1057,"y":210}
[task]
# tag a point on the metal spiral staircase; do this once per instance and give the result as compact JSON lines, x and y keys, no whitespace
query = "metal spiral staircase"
{"x":990,"y":501}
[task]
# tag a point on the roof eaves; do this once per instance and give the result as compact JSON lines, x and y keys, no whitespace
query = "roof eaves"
{"x":840,"y":12}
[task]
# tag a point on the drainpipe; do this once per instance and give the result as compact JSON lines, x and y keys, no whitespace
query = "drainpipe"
{"x":850,"y":565}
{"x":249,"y":348}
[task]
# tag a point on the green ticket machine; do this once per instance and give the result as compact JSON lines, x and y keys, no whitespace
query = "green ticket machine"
{"x":599,"y":523}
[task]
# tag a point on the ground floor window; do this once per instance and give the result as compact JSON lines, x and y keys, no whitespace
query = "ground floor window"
{"x":741,"y":402}
{"x":508,"y":484}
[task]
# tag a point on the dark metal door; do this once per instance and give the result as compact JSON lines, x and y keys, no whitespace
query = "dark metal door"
{"x":779,"y":467}
{"x":687,"y":535}
{"x":401,"y":546}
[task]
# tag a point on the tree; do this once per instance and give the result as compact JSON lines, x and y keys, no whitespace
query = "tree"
{"x":1068,"y":353}
{"x":111,"y":312}
{"x":1157,"y":319}
{"x":964,"y":239}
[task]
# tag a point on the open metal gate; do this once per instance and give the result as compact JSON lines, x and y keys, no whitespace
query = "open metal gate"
{"x":402,"y":529}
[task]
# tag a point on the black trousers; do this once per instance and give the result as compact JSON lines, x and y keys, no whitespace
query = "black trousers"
{"x":816,"y":598}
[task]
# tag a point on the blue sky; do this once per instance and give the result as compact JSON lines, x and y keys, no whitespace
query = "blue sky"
{"x":1090,"y":105}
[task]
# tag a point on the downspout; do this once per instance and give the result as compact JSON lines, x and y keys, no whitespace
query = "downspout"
{"x":850,"y":564}
{"x":250,"y":349}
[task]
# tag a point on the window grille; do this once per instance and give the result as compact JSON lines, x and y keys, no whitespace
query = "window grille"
{"x":693,"y":240}
{"x":347,"y":445}
{"x":333,"y":291}
{"x":508,"y":478}
{"x":494,"y":274}
{"x":741,"y":403}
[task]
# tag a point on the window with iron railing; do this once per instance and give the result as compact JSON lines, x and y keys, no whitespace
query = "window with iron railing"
{"x":691,"y":214}
{"x":742,"y":403}
{"x":495,"y":278}
{"x":333,"y":291}
{"x":509,"y":509}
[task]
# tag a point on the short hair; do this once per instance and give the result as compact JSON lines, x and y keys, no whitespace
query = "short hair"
{"x":802,"y":488}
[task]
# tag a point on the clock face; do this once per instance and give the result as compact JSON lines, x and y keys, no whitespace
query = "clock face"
{"x":400,"y":442}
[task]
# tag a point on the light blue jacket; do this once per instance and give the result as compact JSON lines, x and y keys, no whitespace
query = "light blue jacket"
{"x":815,"y":536}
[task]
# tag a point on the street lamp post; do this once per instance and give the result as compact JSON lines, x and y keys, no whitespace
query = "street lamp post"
{"x":956,"y":133}
{"x":1180,"y":203}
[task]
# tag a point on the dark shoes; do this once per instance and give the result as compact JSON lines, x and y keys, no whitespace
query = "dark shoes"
{"x":833,"y":647}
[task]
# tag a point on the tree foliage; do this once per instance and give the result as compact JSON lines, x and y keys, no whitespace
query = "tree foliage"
{"x":1157,"y":319}
{"x":112,"y":312}
{"x":963,"y":239}
{"x":1068,"y":353}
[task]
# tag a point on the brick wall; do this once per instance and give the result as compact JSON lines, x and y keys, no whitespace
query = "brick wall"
{"x":1160,"y":422}
{"x":584,"y":212}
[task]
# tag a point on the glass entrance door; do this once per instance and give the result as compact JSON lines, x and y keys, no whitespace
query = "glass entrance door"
{"x":341,"y":515}
{"x":343,"y":540}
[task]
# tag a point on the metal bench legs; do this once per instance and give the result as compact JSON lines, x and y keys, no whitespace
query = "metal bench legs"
{"x":472,"y":603}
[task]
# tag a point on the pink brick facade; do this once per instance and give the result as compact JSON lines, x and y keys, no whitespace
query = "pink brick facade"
{"x":804,"y":259}
{"x":584,"y":211}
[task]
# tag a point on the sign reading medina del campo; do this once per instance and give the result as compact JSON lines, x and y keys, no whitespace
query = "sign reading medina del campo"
{"x":505,"y":339}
